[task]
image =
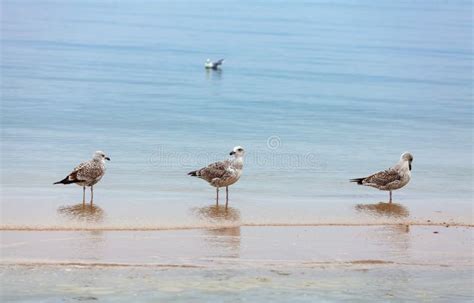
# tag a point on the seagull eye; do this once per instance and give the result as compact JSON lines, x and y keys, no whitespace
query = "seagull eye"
{"x":239,"y":149}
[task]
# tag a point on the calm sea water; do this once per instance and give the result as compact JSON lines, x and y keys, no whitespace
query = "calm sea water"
{"x":317,"y":92}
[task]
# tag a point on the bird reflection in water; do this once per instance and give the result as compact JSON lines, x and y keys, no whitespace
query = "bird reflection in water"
{"x":217,"y":213}
{"x":82,"y":212}
{"x":213,"y":74}
{"x":384,"y":209}
{"x":224,"y":240}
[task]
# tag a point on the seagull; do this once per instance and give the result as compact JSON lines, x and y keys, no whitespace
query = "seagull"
{"x":390,"y":179}
{"x":213,"y":65}
{"x":87,"y":174}
{"x":223,"y":173}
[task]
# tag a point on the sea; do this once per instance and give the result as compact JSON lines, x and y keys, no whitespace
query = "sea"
{"x":316,"y":92}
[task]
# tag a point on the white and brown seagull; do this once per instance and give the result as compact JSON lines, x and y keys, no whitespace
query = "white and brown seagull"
{"x":223,"y":173}
{"x":87,"y":174}
{"x":213,"y":65}
{"x":390,"y":179}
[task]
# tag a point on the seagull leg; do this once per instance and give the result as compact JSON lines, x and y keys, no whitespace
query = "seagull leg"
{"x":83,"y":196}
{"x":92,"y":194}
{"x":226,"y":196}
{"x":217,"y":196}
{"x":390,"y":197}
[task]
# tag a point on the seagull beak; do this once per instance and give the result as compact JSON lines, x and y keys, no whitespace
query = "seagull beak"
{"x":232,"y":153}
{"x":107,"y":158}
{"x":409,"y":165}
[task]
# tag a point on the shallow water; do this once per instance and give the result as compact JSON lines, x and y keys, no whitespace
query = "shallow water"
{"x":386,"y":283}
{"x":390,"y":284}
{"x":231,"y":247}
{"x":317,"y":93}
{"x":278,"y":264}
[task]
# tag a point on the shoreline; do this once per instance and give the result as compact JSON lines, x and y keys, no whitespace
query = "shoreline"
{"x":274,"y":263}
{"x":399,"y":243}
{"x":221,"y":226}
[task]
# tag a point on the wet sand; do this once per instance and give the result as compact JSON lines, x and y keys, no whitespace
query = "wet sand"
{"x":273,"y":263}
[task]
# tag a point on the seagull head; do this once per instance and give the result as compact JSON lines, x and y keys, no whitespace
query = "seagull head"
{"x":100,"y":156}
{"x":406,"y":156}
{"x":237,"y":152}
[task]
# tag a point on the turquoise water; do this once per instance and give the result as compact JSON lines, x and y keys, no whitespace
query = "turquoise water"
{"x":316,"y":92}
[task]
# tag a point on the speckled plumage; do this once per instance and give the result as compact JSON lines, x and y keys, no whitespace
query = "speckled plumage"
{"x":223,"y":173}
{"x":87,"y":173}
{"x":390,"y":179}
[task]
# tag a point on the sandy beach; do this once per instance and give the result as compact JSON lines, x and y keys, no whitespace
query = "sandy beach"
{"x":280,"y":264}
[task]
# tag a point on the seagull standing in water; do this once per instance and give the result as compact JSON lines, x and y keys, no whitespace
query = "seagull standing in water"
{"x":223,"y":173}
{"x":391,"y":179}
{"x":213,"y":65}
{"x":87,"y":174}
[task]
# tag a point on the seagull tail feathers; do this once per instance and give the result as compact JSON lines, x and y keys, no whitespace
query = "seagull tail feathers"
{"x":194,"y":173}
{"x":357,"y":180}
{"x":65,"y":181}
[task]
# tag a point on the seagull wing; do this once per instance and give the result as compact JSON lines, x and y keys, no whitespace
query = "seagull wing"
{"x":218,"y":62}
{"x":85,"y":171}
{"x":214,"y":170}
{"x":382,"y":178}
{"x":76,"y":174}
